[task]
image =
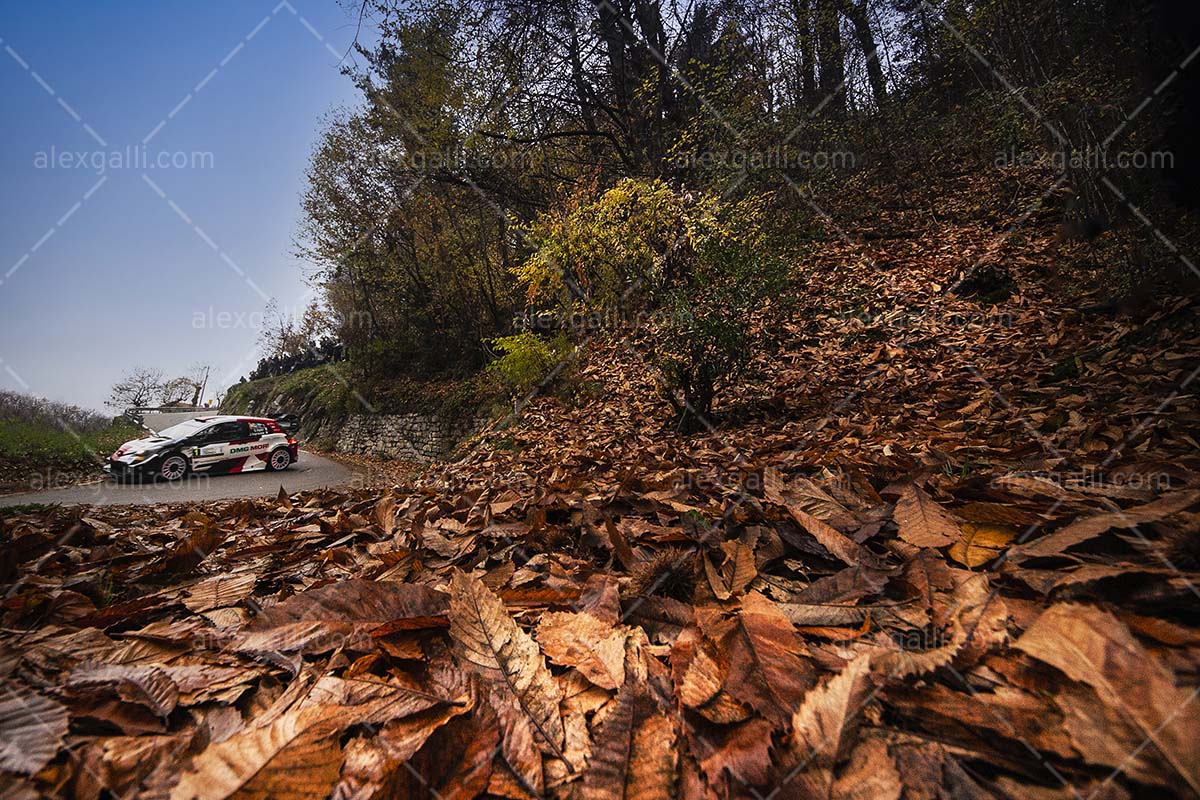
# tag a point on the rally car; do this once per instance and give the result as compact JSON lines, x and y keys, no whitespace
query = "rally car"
{"x":212,"y":445}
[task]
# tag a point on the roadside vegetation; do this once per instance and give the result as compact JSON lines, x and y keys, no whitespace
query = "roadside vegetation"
{"x":45,"y":443}
{"x":40,"y":442}
{"x":324,"y":396}
{"x":677,"y":171}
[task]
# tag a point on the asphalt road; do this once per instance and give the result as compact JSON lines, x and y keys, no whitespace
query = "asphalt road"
{"x":310,"y":472}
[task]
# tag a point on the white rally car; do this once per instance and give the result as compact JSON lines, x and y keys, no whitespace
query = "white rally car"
{"x":212,"y":445}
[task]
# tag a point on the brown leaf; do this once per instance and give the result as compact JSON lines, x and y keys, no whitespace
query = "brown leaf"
{"x":769,"y":668}
{"x":194,"y":548}
{"x":699,"y":674}
{"x":922,"y":522}
{"x":385,"y":514}
{"x":1089,"y":527}
{"x":134,"y":766}
{"x":837,"y":543}
{"x":295,"y":756}
{"x":370,"y":763}
{"x":488,"y":638}
{"x":815,"y":614}
{"x":456,"y":763}
{"x":343,"y":615}
{"x":595,"y":648}
{"x":802,"y":494}
{"x":736,"y":571}
{"x":32,"y":728}
{"x":297,"y":753}
{"x":870,"y":775}
{"x":220,"y":591}
{"x":737,"y":758}
{"x":634,"y":755}
{"x":148,"y":686}
{"x":620,"y":545}
{"x":1091,"y":646}
{"x":823,"y":728}
{"x":1003,"y":713}
{"x":980,"y":543}
{"x":519,"y":743}
{"x":601,"y":598}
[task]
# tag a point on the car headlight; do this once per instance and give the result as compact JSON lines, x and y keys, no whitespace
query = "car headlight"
{"x":139,"y":458}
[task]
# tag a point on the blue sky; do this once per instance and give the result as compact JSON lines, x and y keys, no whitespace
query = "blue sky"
{"x":160,"y":254}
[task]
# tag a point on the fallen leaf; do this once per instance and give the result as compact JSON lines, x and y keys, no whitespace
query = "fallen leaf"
{"x":769,"y":668}
{"x":489,"y":639}
{"x":922,"y":522}
{"x":1093,"y":647}
{"x":595,"y":648}
{"x":980,"y":543}
{"x":823,"y":729}
{"x":634,"y":755}
{"x":32,"y":728}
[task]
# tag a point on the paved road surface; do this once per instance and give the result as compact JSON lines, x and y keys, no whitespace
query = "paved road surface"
{"x":310,"y":472}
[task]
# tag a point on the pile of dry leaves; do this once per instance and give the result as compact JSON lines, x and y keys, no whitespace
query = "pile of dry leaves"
{"x":634,"y":637}
{"x":924,"y":563}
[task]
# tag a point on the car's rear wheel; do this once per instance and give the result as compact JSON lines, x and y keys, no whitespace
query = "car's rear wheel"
{"x":280,"y":459}
{"x":173,"y":467}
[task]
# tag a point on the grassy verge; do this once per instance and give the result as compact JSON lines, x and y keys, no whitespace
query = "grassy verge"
{"x":35,"y":455}
{"x":40,"y":442}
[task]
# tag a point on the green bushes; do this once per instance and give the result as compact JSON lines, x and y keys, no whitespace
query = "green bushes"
{"x":35,"y":432}
{"x":700,"y":268}
{"x":44,"y":443}
{"x":527,"y":359}
{"x":706,"y":336}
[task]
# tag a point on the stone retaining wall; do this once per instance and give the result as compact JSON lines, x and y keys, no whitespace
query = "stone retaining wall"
{"x":412,"y":437}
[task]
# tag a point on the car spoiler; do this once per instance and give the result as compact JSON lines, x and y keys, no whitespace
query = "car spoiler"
{"x":289,"y":422}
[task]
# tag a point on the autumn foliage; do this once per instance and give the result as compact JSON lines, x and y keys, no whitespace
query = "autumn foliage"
{"x":904,"y":504}
{"x":902,"y":598}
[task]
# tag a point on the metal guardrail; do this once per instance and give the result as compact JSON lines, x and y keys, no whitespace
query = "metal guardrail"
{"x":157,"y":418}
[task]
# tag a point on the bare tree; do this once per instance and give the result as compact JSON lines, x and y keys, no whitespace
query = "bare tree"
{"x":178,"y":390}
{"x":138,"y":387}
{"x":187,"y":387}
{"x":857,"y":13}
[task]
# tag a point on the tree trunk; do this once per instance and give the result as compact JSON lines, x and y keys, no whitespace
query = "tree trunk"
{"x":613,"y":36}
{"x":831,"y":57}
{"x":857,"y":14}
{"x":808,"y":64}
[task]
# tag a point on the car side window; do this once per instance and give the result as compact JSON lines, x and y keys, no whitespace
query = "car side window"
{"x":203,"y":436}
{"x":226,"y":432}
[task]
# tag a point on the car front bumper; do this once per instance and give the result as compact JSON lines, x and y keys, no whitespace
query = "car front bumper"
{"x":123,"y":470}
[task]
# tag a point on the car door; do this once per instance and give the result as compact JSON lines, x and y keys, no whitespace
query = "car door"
{"x":213,"y":444}
{"x":255,"y":448}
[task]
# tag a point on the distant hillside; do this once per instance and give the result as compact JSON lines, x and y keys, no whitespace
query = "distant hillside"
{"x":44,"y":443}
{"x":15,"y":406}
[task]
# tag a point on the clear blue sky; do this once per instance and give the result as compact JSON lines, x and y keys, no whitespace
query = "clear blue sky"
{"x":122,"y":278}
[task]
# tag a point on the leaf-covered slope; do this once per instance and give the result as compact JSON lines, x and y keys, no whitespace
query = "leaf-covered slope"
{"x":912,"y":560}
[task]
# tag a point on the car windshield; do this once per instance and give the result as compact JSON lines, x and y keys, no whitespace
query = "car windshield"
{"x":182,"y":429}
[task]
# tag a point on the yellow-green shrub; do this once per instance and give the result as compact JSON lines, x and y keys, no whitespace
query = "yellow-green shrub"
{"x":527,"y":359}
{"x":701,"y":266}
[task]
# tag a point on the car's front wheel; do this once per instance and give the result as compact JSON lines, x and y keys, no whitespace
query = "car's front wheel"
{"x":280,"y":459}
{"x":173,"y":467}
